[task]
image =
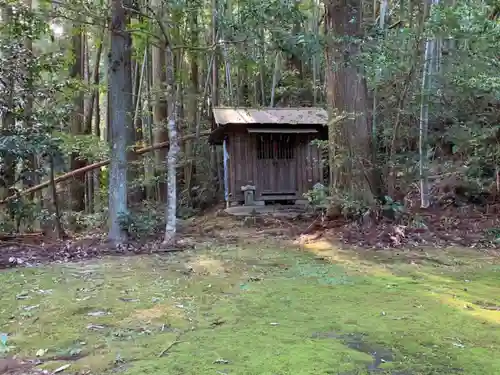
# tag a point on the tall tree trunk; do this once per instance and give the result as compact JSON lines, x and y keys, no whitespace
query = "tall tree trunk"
{"x":160,"y":132}
{"x":95,"y":89}
{"x":58,"y":229}
{"x":350,"y":140}
{"x":430,"y":67}
{"x":215,"y":64}
{"x":215,"y":89}
{"x":31,"y":179}
{"x":7,"y":175}
{"x":87,"y":127}
{"x":314,"y":59}
{"x":193,"y":108}
{"x":136,"y":192}
{"x":120,"y":89}
{"x":93,"y":112}
{"x":173,"y":151}
{"x":97,"y":132}
{"x":147,"y":133}
{"x":275,"y":77}
{"x":374,"y":130}
{"x":77,"y":185}
{"x":262,"y":69}
{"x":294,"y":61}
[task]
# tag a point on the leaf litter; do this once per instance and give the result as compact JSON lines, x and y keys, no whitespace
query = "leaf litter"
{"x":468,"y":226}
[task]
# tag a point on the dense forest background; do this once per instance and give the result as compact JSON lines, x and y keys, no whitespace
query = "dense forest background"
{"x":105,"y":107}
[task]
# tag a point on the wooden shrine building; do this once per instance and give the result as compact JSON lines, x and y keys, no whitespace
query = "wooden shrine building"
{"x":268,"y":154}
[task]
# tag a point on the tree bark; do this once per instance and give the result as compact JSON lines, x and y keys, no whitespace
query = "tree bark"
{"x":160,"y":132}
{"x":147,"y":133}
{"x":136,"y":194}
{"x":349,"y":134}
{"x":173,"y":151}
{"x":95,"y":90}
{"x":55,"y":204}
{"x":275,"y":77}
{"x":93,"y":112}
{"x":120,"y":89}
{"x":97,"y":132}
{"x":31,"y":177}
{"x":7,"y":173}
{"x":430,"y":67}
{"x":193,"y":100}
{"x":77,"y":187}
{"x":215,"y":64}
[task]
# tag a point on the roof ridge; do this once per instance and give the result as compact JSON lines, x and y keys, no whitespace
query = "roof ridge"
{"x":271,"y":108}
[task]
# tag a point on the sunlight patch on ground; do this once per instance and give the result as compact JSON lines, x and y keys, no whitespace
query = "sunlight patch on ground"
{"x":472,"y":309}
{"x":257,"y":308}
{"x":440,"y":287}
{"x":463,"y":294}
{"x":324,"y":248}
{"x":205,"y":265}
{"x":158,"y":312}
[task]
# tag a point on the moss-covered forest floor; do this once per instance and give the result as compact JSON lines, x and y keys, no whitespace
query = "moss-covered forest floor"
{"x":246,"y":300}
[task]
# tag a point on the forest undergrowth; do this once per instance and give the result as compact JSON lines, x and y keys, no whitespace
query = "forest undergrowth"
{"x":467,"y":225}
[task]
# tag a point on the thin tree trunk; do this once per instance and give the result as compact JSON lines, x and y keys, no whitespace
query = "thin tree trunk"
{"x":87,"y":115}
{"x":77,"y":186}
{"x":159,"y":106}
{"x":95,"y":89}
{"x":93,"y":102}
{"x":55,"y":204}
{"x":215,"y":65}
{"x":138,"y":101}
{"x":215,"y":86}
{"x":423,"y":129}
{"x":94,"y":112}
{"x":136,"y":193}
{"x":430,"y":61}
{"x":149,"y":166}
{"x":87,"y":78}
{"x":205,"y":92}
{"x":227,"y":70}
{"x":314,"y":59}
{"x":171,"y":209}
{"x":189,"y":168}
{"x":32,"y":177}
{"x":7,"y":119}
{"x":262,"y":70}
{"x":381,"y":25}
{"x":275,"y":77}
{"x":97,"y":132}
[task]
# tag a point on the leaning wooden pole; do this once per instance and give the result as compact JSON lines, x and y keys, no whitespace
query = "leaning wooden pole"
{"x":100,"y":164}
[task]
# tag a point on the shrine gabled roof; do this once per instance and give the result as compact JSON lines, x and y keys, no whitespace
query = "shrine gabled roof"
{"x":270,"y":116}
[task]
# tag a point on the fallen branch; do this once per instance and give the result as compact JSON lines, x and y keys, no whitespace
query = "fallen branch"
{"x":175,"y":342}
{"x":320,"y":216}
{"x":16,"y":236}
{"x":19,"y":244}
{"x":100,"y":164}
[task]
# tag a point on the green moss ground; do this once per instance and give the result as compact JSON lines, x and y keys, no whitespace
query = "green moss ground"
{"x":260,"y":310}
